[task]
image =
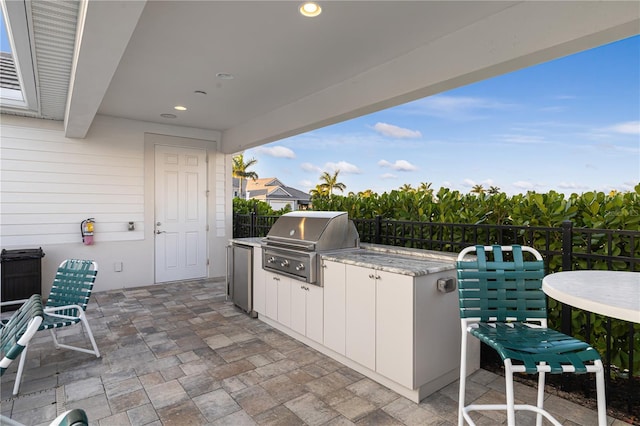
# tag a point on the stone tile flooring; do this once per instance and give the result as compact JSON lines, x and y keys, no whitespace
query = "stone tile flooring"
{"x":181,"y":354}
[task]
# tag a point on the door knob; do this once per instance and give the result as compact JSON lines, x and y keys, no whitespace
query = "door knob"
{"x":160,"y":232}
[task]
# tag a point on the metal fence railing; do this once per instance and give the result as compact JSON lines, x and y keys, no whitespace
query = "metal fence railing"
{"x":563,"y":248}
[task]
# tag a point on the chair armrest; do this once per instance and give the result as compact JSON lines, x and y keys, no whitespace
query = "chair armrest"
{"x":13,"y":302}
{"x":51,"y":311}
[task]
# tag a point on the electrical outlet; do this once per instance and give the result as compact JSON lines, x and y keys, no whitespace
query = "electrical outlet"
{"x":117,"y":267}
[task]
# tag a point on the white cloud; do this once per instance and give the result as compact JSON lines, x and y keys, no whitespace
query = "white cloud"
{"x":572,"y":186}
{"x":276,"y":151}
{"x":468,"y":183}
{"x":522,"y":139}
{"x":388,"y":176}
{"x":627,"y":128}
{"x":308,"y":167}
{"x":307,"y":184}
{"x":343,"y":166}
{"x":565,"y":97}
{"x":457,"y":107}
{"x":399,"y":165}
{"x":523,"y":184}
{"x":395,"y":131}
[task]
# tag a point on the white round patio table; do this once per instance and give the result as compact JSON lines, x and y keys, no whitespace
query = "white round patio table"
{"x":615,"y":294}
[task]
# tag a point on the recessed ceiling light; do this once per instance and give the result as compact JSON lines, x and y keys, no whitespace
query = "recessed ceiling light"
{"x":224,"y":76}
{"x":180,"y":108}
{"x":200,"y":92}
{"x":310,"y":9}
{"x":168,"y":115}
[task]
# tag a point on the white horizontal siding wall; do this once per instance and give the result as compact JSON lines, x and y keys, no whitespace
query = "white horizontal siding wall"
{"x":49,"y":184}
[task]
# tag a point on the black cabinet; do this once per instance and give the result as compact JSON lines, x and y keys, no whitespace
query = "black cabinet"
{"x":21,"y":275}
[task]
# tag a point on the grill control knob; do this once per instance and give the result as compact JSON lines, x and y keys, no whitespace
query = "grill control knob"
{"x":285,"y":263}
{"x":271,"y":260}
{"x":300,"y":267}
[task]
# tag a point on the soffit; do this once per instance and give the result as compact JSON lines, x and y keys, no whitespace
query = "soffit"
{"x":137,"y":59}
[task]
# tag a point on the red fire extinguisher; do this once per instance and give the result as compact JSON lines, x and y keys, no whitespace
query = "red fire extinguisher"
{"x":86,"y":229}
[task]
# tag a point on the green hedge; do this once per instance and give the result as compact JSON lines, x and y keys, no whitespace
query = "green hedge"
{"x":620,"y":210}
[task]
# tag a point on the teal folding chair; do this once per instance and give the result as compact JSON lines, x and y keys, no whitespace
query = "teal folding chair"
{"x":66,"y":305}
{"x":68,"y":300}
{"x":16,"y":332}
{"x":502,"y":305}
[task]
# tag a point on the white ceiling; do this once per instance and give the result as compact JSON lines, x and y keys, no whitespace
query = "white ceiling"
{"x":137,"y":59}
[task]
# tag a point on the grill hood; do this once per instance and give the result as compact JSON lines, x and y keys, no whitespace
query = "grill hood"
{"x":313,"y":231}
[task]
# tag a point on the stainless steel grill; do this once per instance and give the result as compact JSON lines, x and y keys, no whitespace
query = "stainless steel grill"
{"x":292,"y":245}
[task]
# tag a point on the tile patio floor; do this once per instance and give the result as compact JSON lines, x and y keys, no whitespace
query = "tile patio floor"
{"x":181,"y":354}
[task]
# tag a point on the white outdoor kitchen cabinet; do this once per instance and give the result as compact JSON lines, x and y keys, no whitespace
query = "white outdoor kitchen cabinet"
{"x":271,"y":281}
{"x":306,"y":310}
{"x":360,"y":318}
{"x":378,"y":312}
{"x":396,"y":325}
{"x":334,"y":306}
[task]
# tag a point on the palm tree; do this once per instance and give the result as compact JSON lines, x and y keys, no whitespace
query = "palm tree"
{"x":240,"y":170}
{"x":319,"y":191}
{"x":493,"y":190}
{"x":407,"y":188}
{"x":425,"y":187}
{"x":330,"y":182}
{"x":477,"y":189}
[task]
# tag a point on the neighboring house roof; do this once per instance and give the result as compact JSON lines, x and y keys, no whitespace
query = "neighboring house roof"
{"x":273,"y":189}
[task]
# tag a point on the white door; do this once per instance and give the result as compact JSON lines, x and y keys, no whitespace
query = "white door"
{"x":180,"y":216}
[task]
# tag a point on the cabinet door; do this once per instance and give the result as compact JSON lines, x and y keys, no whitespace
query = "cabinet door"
{"x":298,"y":307}
{"x":271,"y":295}
{"x":361,"y":315}
{"x":394,"y":327}
{"x":284,"y":300}
{"x":334,"y":305}
{"x":314,"y":313}
{"x":259,"y":294}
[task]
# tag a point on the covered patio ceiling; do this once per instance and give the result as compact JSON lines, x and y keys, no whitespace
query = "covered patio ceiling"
{"x":291,"y":74}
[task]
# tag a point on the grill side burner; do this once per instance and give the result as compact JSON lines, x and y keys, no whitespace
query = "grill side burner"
{"x":292,"y":245}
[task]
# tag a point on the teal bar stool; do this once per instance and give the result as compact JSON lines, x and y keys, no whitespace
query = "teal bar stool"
{"x":502,"y":305}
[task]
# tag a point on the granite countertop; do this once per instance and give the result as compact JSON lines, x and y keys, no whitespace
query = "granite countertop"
{"x":396,"y":260}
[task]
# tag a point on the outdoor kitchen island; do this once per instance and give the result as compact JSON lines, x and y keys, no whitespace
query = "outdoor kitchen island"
{"x":377,"y":309}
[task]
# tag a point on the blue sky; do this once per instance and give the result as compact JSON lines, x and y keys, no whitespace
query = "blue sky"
{"x":569,"y":125}
{"x":4,"y":40}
